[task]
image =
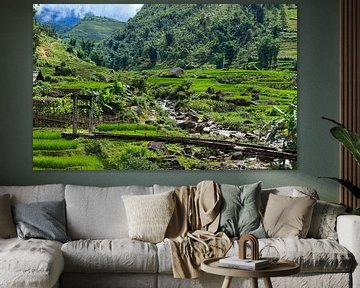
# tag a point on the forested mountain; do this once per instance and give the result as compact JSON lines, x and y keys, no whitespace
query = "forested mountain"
{"x":198,"y":35}
{"x":253,"y":36}
{"x":94,"y":28}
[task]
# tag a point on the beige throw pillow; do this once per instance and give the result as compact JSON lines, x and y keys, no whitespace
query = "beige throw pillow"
{"x":7,"y":226}
{"x":149,"y":215}
{"x":288,"y":217}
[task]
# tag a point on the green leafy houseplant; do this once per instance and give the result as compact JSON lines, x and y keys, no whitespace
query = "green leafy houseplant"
{"x":351,"y":141}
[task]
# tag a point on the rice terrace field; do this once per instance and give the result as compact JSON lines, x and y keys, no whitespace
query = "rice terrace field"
{"x":165,"y":87}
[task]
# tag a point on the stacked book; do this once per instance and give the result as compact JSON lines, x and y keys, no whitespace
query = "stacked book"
{"x":248,"y":264}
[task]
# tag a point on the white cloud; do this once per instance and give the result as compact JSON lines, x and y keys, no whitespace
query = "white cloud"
{"x":121,"y":12}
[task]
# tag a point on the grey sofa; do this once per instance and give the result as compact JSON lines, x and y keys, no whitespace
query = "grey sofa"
{"x":101,"y":254}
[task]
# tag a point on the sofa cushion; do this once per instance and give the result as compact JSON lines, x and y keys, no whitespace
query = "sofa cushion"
{"x":34,"y":193}
{"x":313,"y":255}
{"x":149,"y":215}
{"x":30,"y":263}
{"x":7,"y":226}
{"x":163,"y":188}
{"x":98,"y":213}
{"x":164,"y":257}
{"x":109,"y":280}
{"x":43,"y":220}
{"x":287,"y":216}
{"x":116,"y":255}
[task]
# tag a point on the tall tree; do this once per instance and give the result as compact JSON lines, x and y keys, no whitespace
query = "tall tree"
{"x":152,"y":53}
{"x":268,"y":50}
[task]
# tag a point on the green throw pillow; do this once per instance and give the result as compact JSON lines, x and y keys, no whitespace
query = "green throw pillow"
{"x":240,"y":213}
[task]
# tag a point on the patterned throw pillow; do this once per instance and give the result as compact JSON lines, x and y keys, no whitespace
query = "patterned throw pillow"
{"x":240,"y":213}
{"x":7,"y":226}
{"x":149,"y":215}
{"x":323,"y":223}
{"x":288,"y":217}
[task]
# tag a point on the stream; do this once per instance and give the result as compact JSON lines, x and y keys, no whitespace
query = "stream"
{"x":227,"y":160}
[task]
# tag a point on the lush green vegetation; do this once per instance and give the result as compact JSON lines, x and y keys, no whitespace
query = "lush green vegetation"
{"x":220,"y":72}
{"x":125,"y":127}
{"x":93,"y":28}
{"x":193,"y":36}
{"x":51,"y":53}
{"x":53,"y":152}
{"x":68,"y":163}
{"x":59,"y":144}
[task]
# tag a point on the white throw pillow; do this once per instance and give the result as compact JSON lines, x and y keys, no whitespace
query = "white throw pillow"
{"x":149,"y":215}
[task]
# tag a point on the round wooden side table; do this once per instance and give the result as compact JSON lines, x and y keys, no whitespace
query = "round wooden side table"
{"x":281,"y":268}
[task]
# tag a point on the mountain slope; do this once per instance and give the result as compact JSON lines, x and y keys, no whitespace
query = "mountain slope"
{"x":94,"y":28}
{"x":51,"y":53}
{"x":198,"y":35}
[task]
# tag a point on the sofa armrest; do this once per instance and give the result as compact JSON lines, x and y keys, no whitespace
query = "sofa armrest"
{"x":348,"y":230}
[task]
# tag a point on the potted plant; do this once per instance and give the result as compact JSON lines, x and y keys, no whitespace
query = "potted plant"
{"x":351,"y":141}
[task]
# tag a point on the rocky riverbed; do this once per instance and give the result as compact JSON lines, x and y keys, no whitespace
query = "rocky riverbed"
{"x":212,"y":158}
{"x":194,"y":124}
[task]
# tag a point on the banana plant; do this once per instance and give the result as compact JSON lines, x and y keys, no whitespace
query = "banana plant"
{"x":351,"y":141}
{"x":285,"y":123}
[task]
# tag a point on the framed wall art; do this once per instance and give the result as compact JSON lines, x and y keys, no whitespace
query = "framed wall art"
{"x":164,"y":86}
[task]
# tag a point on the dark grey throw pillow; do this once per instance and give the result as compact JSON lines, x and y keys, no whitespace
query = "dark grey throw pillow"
{"x":240,"y":213}
{"x":44,"y":220}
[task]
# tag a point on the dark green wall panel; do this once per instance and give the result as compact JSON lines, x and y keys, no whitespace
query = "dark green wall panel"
{"x":318,"y":96}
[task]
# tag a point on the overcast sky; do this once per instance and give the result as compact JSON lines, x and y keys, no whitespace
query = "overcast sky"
{"x":121,"y":12}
